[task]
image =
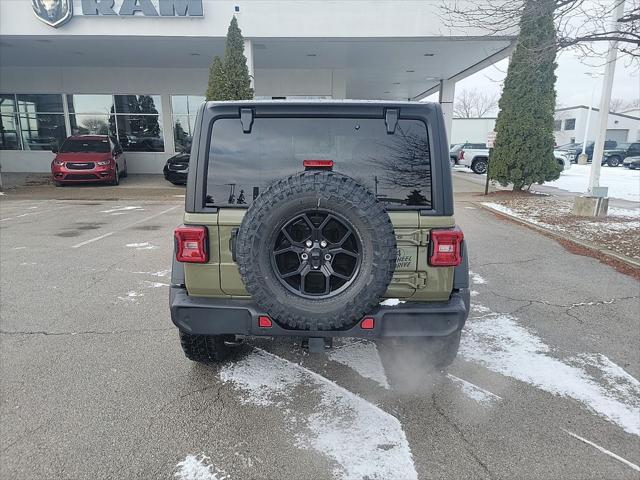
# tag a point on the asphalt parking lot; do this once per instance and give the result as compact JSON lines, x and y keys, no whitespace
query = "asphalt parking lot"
{"x":95,"y":385}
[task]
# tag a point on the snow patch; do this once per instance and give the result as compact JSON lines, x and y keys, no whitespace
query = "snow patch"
{"x":156,"y":284}
{"x":198,"y":467}
{"x":392,"y":302}
{"x":362,"y":356}
{"x":498,"y":343}
{"x":477,"y":278}
{"x":132,"y":296}
{"x":141,"y":246}
{"x":121,"y":210}
{"x":622,"y":182}
{"x":480,"y":395}
{"x":364,"y":440}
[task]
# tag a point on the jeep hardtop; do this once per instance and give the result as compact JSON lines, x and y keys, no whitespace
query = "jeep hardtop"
{"x":319,"y":220}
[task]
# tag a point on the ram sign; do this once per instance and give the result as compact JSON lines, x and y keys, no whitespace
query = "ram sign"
{"x":58,"y":12}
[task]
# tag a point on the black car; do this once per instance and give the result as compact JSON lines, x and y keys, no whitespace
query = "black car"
{"x":177,"y":168}
{"x":576,"y":148}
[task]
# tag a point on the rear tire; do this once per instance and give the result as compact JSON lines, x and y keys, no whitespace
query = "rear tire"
{"x":205,"y":348}
{"x":479,"y":166}
{"x":58,"y":184}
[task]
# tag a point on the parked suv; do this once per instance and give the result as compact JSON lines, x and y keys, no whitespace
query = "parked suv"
{"x":616,"y":156}
{"x":88,"y":158}
{"x":319,"y":220}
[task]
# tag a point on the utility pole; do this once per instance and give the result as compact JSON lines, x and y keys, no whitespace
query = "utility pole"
{"x":586,"y":127}
{"x":594,"y":189}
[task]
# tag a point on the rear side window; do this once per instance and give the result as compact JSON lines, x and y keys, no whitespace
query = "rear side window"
{"x":85,"y":146}
{"x":395,"y":167}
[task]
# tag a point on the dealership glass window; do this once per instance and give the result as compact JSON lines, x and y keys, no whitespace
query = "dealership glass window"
{"x":9,"y":135}
{"x":184,"y":109}
{"x":92,"y":124}
{"x":557,"y":125}
{"x":42,"y":131}
{"x":90,"y":104}
{"x":138,"y":122}
{"x":570,"y":124}
{"x":41,"y":121}
{"x":40,"y":103}
{"x":140,"y":133}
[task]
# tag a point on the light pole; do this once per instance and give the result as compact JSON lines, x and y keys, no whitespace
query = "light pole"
{"x":595,"y":203}
{"x":586,"y":127}
{"x":605,"y":99}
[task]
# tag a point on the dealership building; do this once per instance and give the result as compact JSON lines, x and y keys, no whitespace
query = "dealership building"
{"x":138,"y":69}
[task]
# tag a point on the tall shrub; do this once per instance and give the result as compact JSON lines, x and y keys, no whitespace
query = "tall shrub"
{"x":523,"y":149}
{"x":229,"y":78}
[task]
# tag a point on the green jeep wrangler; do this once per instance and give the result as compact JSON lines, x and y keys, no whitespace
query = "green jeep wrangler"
{"x":319,"y":220}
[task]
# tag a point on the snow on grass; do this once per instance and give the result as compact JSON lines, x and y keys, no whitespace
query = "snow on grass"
{"x":498,"y":343}
{"x":363,"y":440}
{"x":198,"y":467}
{"x":121,"y":210}
{"x":391,"y":302}
{"x":476,"y":278}
{"x":622,"y":182}
{"x":480,"y":395}
{"x":362,"y":356}
{"x":141,"y":246}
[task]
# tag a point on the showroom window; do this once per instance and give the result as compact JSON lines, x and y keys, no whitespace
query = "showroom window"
{"x":570,"y":124}
{"x":138,"y":120}
{"x":91,"y":115}
{"x":9,"y":134}
{"x":183,"y":116}
{"x":41,"y":121}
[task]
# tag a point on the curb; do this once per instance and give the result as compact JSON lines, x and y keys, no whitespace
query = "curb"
{"x":604,"y":251}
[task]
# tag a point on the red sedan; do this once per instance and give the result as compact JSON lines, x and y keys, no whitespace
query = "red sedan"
{"x":88,"y":158}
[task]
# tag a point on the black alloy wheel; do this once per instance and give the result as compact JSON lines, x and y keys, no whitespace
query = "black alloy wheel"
{"x":317,"y":254}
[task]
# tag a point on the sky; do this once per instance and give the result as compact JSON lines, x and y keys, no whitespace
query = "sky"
{"x":573,"y":87}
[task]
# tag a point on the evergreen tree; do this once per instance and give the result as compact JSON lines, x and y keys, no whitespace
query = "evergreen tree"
{"x":216,"y":88}
{"x":238,"y":83}
{"x":229,"y":78}
{"x":523,"y":150}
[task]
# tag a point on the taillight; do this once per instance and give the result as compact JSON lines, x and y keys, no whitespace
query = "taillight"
{"x":461,"y":155}
{"x":191,"y":244}
{"x":446,"y":247}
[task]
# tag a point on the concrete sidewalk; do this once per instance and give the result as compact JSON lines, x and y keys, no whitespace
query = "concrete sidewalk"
{"x":38,"y":186}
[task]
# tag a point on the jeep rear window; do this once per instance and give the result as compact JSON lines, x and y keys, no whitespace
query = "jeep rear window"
{"x":395,"y":167}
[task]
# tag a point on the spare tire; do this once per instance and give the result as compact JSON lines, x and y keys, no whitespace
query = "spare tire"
{"x":316,"y":251}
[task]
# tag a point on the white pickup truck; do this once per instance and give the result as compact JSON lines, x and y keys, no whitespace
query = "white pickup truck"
{"x":477,"y":159}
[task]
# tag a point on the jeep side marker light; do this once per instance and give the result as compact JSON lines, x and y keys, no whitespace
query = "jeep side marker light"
{"x":191,"y":244}
{"x":318,"y":164}
{"x":264,"y":322}
{"x":446,"y":247}
{"x":367,"y":324}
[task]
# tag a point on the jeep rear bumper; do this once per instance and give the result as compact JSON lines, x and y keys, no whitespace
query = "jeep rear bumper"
{"x":219,"y":316}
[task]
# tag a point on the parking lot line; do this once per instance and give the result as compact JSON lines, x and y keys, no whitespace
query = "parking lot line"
{"x":95,"y":239}
{"x":604,"y":450}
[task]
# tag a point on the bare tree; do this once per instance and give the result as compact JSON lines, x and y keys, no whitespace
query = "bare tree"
{"x":474,"y":104}
{"x":617,"y":105}
{"x":580,"y":24}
